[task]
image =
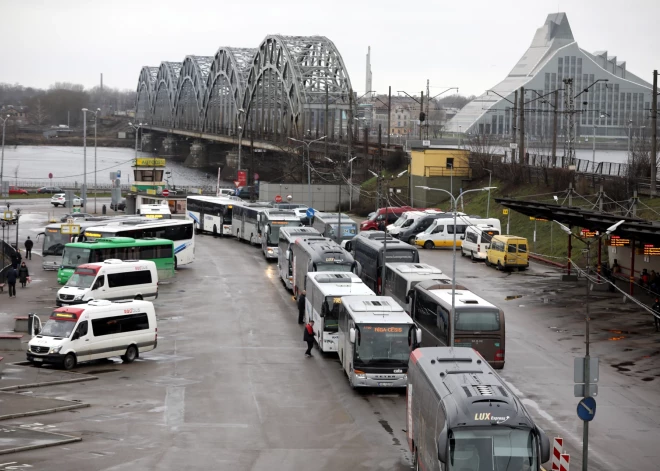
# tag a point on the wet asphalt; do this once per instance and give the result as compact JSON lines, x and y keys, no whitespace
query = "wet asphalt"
{"x":229,"y":386}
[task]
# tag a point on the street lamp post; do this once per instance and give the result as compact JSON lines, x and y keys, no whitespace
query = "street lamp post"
{"x":136,"y":128}
{"x":2,"y":260}
{"x":84,"y":190}
{"x":96,"y":116}
{"x":240,"y":112}
{"x":490,"y":181}
{"x":453,"y":281}
{"x":350,"y":189}
{"x":587,"y":373}
{"x":309,"y":166}
{"x":2,"y":159}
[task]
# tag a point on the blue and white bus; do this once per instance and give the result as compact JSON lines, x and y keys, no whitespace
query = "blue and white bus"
{"x":212,"y":214}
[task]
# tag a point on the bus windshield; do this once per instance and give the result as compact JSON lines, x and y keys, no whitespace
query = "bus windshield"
{"x":348,"y":230}
{"x":274,"y":233}
{"x":382,"y":343}
{"x":343,"y":267}
{"x":331,"y":319}
{"x":57,"y":328}
{"x":54,"y":242}
{"x":498,"y":448}
{"x":74,"y":256}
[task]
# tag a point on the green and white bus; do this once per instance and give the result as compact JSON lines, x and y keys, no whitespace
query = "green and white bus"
{"x":160,"y":251}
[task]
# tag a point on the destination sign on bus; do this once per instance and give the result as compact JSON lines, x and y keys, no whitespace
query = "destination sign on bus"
{"x":279,"y":223}
{"x":153,"y":216}
{"x":384,"y":330}
{"x":650,"y":249}
{"x":64,"y":316}
{"x":92,"y":234}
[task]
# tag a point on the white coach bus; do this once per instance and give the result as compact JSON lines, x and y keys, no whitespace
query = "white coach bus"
{"x":245,"y":221}
{"x":212,"y":214}
{"x":325,"y":291}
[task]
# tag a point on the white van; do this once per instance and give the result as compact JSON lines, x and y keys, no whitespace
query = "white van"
{"x":407,"y":219}
{"x":99,"y":329}
{"x":114,"y":280}
{"x":476,"y":241}
{"x":441,"y":232}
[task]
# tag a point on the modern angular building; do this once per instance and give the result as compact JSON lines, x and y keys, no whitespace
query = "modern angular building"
{"x":614,"y":106}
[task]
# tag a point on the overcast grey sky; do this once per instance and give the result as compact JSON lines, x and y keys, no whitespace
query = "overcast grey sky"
{"x":469,"y":44}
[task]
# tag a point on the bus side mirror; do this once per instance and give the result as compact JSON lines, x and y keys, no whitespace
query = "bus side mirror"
{"x":463,"y":237}
{"x":418,"y":336}
{"x":409,"y":296}
{"x":351,"y":335}
{"x":545,"y":445}
{"x":357,"y":268}
{"x":348,"y":246}
{"x":442,"y":446}
{"x":286,"y":254}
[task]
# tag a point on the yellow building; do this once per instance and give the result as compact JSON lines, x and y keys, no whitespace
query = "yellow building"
{"x":444,"y":168}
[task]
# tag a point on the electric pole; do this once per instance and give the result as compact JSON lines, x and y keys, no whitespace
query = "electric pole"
{"x":554,"y":125}
{"x":569,"y":108}
{"x":521,"y":146}
{"x":514,"y":126}
{"x":389,"y":114}
{"x":654,"y":133}
{"x":325,"y":118}
{"x":421,"y":114}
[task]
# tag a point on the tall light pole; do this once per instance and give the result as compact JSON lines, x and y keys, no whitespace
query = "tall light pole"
{"x":2,"y":159}
{"x":309,"y":166}
{"x":240,"y":112}
{"x":96,"y":116}
{"x":136,"y":128}
{"x":84,"y":190}
{"x":587,"y":373}
{"x":490,"y":181}
{"x":453,"y":281}
{"x":350,"y":189}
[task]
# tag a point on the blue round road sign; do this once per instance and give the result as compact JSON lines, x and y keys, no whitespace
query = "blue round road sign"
{"x":310,"y":212}
{"x":586,"y":409}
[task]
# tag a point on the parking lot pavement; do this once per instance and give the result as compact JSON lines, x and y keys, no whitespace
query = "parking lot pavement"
{"x":545,"y":332}
{"x":228,"y":387}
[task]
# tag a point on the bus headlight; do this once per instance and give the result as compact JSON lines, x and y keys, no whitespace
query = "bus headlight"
{"x":55,"y":349}
{"x":360,"y":374}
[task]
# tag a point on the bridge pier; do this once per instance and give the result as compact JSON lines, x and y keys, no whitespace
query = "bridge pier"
{"x":197,"y":157}
{"x":146,"y":142}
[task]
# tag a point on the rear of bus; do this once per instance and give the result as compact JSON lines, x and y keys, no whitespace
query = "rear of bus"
{"x":481,"y":327}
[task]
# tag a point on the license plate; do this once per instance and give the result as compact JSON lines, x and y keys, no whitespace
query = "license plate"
{"x":384,"y":384}
{"x":37,"y":359}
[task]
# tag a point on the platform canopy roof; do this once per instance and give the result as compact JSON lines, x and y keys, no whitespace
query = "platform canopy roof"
{"x":635,"y":228}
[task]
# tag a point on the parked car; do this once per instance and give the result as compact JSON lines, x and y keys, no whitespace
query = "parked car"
{"x":59,"y":199}
{"x":50,"y":189}
{"x":17,"y":191}
{"x":75,"y":216}
{"x":121,"y":206}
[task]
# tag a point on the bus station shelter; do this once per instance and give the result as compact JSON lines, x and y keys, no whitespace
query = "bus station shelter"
{"x":635,"y":243}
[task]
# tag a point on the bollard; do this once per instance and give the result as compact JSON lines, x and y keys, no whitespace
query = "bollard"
{"x":557,"y":447}
{"x":103,"y":209}
{"x":564,"y":463}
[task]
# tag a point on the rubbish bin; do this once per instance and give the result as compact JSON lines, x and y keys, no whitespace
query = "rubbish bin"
{"x":103,"y":209}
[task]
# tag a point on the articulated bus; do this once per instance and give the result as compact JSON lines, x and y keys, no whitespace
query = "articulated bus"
{"x":177,"y":230}
{"x":325,"y":291}
{"x":57,"y":235}
{"x":270,"y":223}
{"x":288,"y":236}
{"x":212,"y":214}
{"x":245,"y":221}
{"x":160,"y":251}
{"x":376,"y":337}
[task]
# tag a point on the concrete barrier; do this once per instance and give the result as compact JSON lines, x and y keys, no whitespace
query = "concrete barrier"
{"x":11,"y":342}
{"x":21,"y":324}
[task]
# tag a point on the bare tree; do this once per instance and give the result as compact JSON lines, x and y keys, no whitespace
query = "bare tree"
{"x":38,"y":114}
{"x":18,"y":165}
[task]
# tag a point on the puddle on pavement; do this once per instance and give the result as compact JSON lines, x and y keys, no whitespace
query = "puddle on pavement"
{"x":622,"y":367}
{"x":98,"y":372}
{"x":648,"y":378}
{"x":513,"y":296}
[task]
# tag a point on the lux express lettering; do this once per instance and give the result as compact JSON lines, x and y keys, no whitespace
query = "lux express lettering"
{"x":132,"y":310}
{"x":490,"y":417}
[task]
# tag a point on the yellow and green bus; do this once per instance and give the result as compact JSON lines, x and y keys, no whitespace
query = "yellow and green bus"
{"x":160,"y":251}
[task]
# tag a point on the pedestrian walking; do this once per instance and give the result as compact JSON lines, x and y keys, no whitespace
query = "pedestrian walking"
{"x":28,"y":248}
{"x":656,"y":316}
{"x":11,"y":277}
{"x":23,"y":274}
{"x":15,"y":260}
{"x":309,"y":337}
{"x":301,"y":307}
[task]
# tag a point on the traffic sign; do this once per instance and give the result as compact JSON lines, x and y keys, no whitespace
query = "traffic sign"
{"x":513,"y":145}
{"x":278,"y":199}
{"x":118,"y":174}
{"x":310,"y":212}
{"x":50,"y":175}
{"x":256,"y":176}
{"x":505,"y":211}
{"x":586,"y":409}
{"x":166,"y":192}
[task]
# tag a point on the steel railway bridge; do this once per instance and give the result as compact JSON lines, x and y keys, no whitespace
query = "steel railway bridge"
{"x":290,"y":86}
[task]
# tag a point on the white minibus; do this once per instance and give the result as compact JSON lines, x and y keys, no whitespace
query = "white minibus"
{"x":476,"y":241}
{"x":441,"y":232}
{"x":96,"y":330}
{"x":407,"y":219}
{"x":112,"y":279}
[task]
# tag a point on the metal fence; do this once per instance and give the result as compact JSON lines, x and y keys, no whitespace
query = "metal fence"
{"x":611,"y":169}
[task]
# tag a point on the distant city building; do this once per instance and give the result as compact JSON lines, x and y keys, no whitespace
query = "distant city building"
{"x":368,"y":81}
{"x":623,"y":101}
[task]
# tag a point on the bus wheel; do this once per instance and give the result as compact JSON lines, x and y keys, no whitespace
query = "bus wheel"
{"x":130,"y":355}
{"x":428,"y":245}
{"x":139,"y":297}
{"x":69,"y":361}
{"x":215,"y":231}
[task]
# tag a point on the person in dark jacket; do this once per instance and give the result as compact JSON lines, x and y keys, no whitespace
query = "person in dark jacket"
{"x":11,"y":277}
{"x":15,"y":260}
{"x":309,"y":337}
{"x":28,"y":248}
{"x":301,"y":307}
{"x":656,"y":317}
{"x":23,"y":274}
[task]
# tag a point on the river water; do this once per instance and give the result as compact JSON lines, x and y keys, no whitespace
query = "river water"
{"x":30,"y":166}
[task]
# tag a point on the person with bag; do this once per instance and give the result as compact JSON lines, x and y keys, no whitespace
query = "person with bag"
{"x":23,"y":274}
{"x":309,"y":337}
{"x":301,"y":307}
